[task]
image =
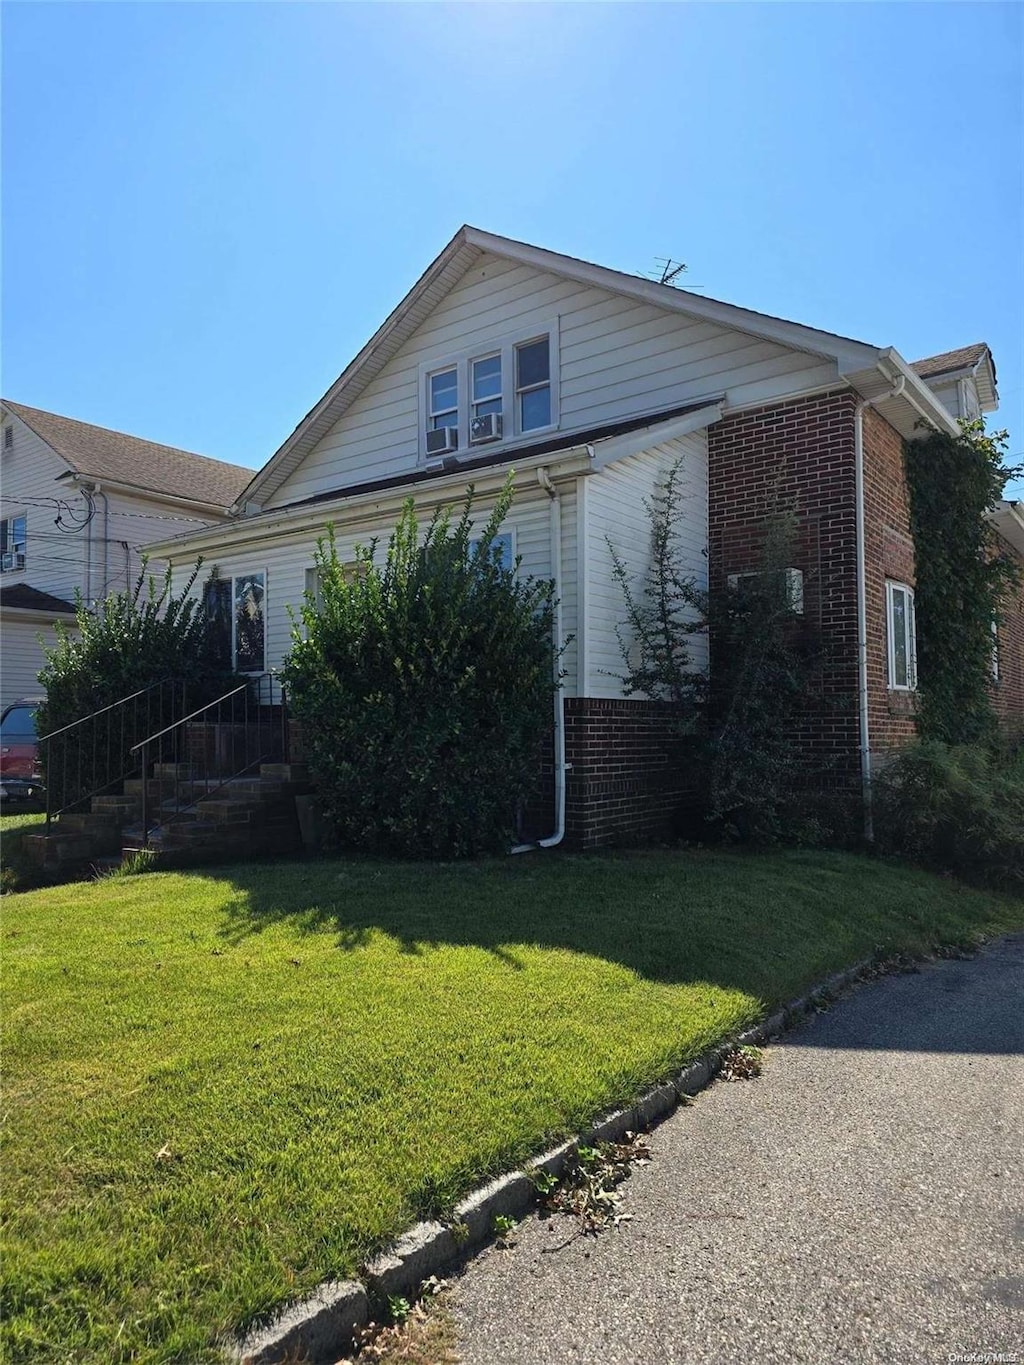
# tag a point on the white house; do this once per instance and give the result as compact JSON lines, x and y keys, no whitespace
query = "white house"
{"x":589,"y":383}
{"x":78,"y":506}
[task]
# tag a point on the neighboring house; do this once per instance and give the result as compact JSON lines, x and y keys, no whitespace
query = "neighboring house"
{"x":590,"y":383}
{"x":78,"y":505}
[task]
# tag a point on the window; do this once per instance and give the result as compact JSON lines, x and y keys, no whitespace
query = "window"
{"x":533,"y":384}
{"x":12,"y":543}
{"x":486,"y":385}
{"x":504,"y":546}
{"x":235,"y":614}
{"x":899,"y":618}
{"x":444,"y":400}
{"x":514,"y":380}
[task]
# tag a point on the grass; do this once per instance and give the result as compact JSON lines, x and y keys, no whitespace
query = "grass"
{"x":16,"y":873}
{"x":223,"y":1088}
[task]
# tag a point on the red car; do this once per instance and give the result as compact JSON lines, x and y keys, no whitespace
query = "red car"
{"x":20,"y":774}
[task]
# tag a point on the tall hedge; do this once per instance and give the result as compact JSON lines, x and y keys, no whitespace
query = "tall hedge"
{"x":424,"y":683}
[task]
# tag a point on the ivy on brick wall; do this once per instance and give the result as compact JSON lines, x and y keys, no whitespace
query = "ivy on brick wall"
{"x":962,"y":577}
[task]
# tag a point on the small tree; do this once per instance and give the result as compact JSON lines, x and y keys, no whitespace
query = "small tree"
{"x":424,"y":685}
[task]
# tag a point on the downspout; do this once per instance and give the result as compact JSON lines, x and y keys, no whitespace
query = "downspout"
{"x":99,"y":493}
{"x":862,"y":609}
{"x":544,"y":479}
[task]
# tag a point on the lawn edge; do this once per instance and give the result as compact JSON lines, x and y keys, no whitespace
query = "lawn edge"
{"x":323,"y":1325}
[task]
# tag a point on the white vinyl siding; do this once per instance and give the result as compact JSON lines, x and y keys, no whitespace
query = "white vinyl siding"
{"x":615,"y":511}
{"x":21,"y":658}
{"x":287,"y":563}
{"x":615,"y":358}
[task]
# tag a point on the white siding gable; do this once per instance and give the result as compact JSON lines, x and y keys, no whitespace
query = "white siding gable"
{"x":613,"y":508}
{"x":617,"y":358}
{"x":54,"y":561}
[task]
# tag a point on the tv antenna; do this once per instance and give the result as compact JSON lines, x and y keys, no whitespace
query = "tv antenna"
{"x":666,"y":271}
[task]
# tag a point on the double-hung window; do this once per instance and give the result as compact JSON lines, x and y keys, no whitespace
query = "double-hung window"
{"x":12,"y":543}
{"x":444,"y":400}
{"x":533,"y":384}
{"x":901,"y":636}
{"x":492,"y":394}
{"x":236,"y":616}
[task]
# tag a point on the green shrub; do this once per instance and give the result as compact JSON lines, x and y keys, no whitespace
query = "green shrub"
{"x":130,"y":641}
{"x":954,"y":808}
{"x":424,"y":685}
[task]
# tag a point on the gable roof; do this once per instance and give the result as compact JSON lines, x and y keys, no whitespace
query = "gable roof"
{"x":146,"y":465}
{"x":448,"y":268}
{"x":20,"y":597}
{"x":963,"y":359}
{"x":976,"y":360}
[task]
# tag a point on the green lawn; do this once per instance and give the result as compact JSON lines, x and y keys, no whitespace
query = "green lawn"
{"x":221,"y":1088}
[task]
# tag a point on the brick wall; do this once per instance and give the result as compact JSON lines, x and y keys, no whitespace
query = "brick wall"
{"x":628,"y":776}
{"x":888,"y":554}
{"x":798,"y":457}
{"x":1008,"y":692}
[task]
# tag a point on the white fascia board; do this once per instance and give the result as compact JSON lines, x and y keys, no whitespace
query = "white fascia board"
{"x":353,"y":511}
{"x":633,"y":442}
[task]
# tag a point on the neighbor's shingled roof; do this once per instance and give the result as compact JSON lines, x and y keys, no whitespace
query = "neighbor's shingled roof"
{"x":19,"y":596}
{"x":113,"y":455}
{"x":962,"y":359}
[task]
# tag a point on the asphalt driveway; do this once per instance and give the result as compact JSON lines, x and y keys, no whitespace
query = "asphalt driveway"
{"x":862,"y":1201}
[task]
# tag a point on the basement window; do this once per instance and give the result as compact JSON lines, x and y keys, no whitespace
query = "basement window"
{"x":901,"y":636}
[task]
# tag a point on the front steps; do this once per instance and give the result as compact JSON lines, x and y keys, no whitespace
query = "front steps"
{"x":191,"y":820}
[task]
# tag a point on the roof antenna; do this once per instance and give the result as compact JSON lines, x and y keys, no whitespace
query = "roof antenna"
{"x":666,"y":271}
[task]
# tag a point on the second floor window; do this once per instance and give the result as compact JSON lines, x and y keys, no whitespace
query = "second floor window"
{"x":444,"y":399}
{"x":12,"y":543}
{"x":486,"y":385}
{"x":533,"y":384}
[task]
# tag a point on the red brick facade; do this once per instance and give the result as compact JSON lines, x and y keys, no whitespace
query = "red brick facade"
{"x":798,"y":458}
{"x":627,"y":777}
{"x":1008,"y":689}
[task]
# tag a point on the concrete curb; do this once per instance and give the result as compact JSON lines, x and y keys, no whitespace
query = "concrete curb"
{"x":322,"y":1326}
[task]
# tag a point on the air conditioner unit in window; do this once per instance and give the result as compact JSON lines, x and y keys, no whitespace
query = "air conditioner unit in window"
{"x":6,"y":563}
{"x":486,"y":428}
{"x":442,"y":441}
{"x":19,"y":561}
{"x":793,"y":581}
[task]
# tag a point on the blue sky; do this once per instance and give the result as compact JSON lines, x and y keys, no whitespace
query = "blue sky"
{"x":208,"y":208}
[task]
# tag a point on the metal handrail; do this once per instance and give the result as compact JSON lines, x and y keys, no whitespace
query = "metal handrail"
{"x":212,"y":781}
{"x":101,"y":753}
{"x":201,"y":711}
{"x":122,"y":701}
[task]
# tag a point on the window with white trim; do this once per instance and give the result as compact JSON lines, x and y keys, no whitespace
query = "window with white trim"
{"x":533,"y":384}
{"x":512,"y":382}
{"x":12,"y":543}
{"x":901,"y":636}
{"x":444,"y":399}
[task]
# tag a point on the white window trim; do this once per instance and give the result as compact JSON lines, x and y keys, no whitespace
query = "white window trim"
{"x":11,"y":518}
{"x":892,"y":586}
{"x":460,"y":361}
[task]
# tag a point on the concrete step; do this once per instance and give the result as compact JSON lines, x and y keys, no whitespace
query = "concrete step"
{"x":226,"y":810}
{"x":86,"y":822}
{"x":49,"y":850}
{"x":286,"y":772}
{"x":179,"y":770}
{"x":124,"y":807}
{"x":155,"y":786}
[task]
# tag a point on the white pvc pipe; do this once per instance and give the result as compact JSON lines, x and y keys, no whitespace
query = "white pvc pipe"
{"x":544,"y":479}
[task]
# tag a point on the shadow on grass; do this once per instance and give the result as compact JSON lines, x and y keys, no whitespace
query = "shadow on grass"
{"x":770,"y":925}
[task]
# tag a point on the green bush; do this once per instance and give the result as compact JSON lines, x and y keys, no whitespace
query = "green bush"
{"x":424,"y":685}
{"x":130,"y":641}
{"x":954,"y":808}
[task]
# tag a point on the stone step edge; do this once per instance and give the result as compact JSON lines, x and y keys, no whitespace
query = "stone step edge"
{"x":321,"y":1327}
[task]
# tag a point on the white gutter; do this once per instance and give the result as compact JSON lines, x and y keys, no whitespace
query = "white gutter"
{"x":544,"y":479}
{"x":862,"y":608}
